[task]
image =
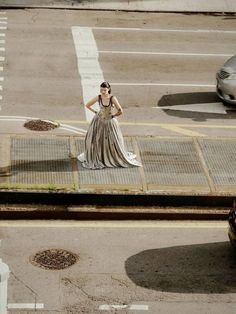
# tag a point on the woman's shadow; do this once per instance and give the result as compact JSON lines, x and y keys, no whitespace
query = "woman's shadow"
{"x":200,"y":268}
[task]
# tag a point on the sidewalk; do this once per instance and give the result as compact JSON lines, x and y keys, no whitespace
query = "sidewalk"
{"x":191,"y":170}
{"x":219,"y":6}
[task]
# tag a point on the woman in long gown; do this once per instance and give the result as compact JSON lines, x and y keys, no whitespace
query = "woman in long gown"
{"x":104,"y":144}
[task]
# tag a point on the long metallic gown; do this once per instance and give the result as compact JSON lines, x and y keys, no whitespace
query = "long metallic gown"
{"x":104,"y":143}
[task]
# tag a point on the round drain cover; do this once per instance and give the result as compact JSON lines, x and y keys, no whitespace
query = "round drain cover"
{"x":54,"y":259}
{"x":41,"y":125}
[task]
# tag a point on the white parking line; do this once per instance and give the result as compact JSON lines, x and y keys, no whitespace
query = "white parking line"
{"x":167,"y":53}
{"x":25,"y":306}
{"x":66,"y":127}
{"x":134,"y":307}
{"x":114,"y":224}
{"x":161,"y":84}
{"x":17,"y":117}
{"x":165,"y":30}
{"x":72,"y":129}
{"x":3,"y":22}
{"x":216,"y":107}
{"x":88,"y":66}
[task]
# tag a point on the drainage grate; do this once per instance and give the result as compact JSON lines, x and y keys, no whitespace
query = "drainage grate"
{"x":54,"y":259}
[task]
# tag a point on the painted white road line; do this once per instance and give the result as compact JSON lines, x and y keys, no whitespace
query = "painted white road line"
{"x":167,"y":53}
{"x":88,"y":65}
{"x":151,"y":124}
{"x":114,"y":224}
{"x":165,"y":30}
{"x":66,"y":127}
{"x":217,"y":107}
{"x":139,"y":307}
{"x":134,"y":307}
{"x":73,"y":129}
{"x":35,"y":306}
{"x":162,"y":84}
{"x":16,"y":117}
{"x":12,"y":119}
{"x":79,"y":131}
{"x":3,"y":21}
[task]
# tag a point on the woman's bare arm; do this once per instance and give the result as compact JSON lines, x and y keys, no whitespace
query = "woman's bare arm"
{"x":118,"y":107}
{"x":90,"y":103}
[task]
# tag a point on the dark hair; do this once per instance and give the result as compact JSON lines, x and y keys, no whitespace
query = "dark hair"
{"x":106,"y":85}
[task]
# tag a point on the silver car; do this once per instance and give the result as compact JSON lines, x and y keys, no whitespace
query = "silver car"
{"x":226,"y":82}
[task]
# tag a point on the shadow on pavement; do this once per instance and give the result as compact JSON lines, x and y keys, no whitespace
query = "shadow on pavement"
{"x":41,"y":165}
{"x":195,"y":99}
{"x":201,"y":268}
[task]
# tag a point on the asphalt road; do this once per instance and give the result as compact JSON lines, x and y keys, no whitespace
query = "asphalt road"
{"x":123,"y":267}
{"x":152,"y":61}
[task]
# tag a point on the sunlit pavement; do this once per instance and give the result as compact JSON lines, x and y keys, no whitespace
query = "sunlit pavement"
{"x":148,"y":266}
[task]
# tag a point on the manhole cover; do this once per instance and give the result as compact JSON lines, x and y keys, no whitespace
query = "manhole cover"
{"x":54,"y":259}
{"x":41,"y":125}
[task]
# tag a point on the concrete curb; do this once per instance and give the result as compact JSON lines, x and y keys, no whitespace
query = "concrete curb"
{"x":111,"y":215}
{"x":33,"y":205}
{"x":112,"y":207}
{"x":61,"y":198}
{"x":200,"y":6}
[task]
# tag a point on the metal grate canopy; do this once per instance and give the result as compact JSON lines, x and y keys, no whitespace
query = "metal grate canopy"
{"x":171,"y":162}
{"x":220,"y":157}
{"x":40,"y":161}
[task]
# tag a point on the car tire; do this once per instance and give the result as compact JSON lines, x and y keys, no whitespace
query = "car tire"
{"x":226,"y":103}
